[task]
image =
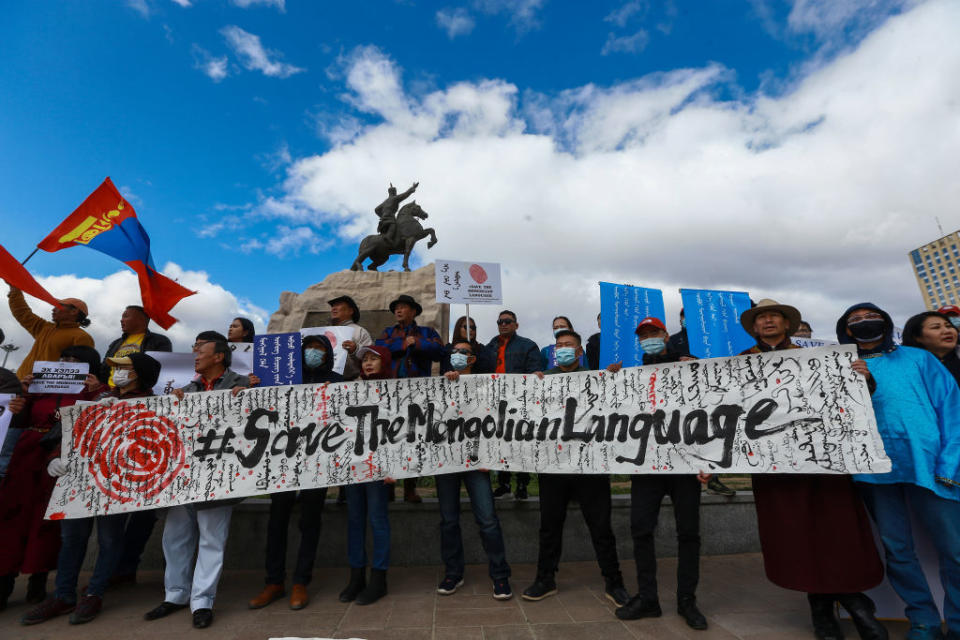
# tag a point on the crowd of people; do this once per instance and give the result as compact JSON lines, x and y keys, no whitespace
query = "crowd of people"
{"x":815,"y":530}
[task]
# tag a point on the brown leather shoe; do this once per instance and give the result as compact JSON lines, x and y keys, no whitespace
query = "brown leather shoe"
{"x":270,"y":593}
{"x":299,"y":597}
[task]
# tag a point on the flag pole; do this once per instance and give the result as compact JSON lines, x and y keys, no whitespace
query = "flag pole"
{"x":30,"y":256}
{"x":467,"y":325}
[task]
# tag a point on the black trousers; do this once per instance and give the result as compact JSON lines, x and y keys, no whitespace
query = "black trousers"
{"x":311,"y":511}
{"x":592,"y":492}
{"x":503,"y":479}
{"x":646,"y":494}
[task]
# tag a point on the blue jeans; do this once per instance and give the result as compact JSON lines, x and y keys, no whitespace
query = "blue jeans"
{"x":135,"y":537}
{"x":481,"y":502}
{"x":74,"y":535}
{"x":890,"y":506}
{"x":363,"y":500}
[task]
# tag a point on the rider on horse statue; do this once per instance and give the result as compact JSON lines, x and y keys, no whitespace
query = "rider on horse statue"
{"x":387,"y":211}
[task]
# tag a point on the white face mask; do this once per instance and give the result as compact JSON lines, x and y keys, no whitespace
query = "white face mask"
{"x":123,"y":377}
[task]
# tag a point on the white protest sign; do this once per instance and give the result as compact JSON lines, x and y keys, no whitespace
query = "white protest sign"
{"x":5,"y":415}
{"x":807,"y":343}
{"x":779,"y":412}
{"x":468,"y":282}
{"x":59,"y":377}
{"x":337,"y":336}
{"x":177,"y":369}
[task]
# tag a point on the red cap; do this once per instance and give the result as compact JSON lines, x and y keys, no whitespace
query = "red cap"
{"x":650,"y":322}
{"x":950,"y":310}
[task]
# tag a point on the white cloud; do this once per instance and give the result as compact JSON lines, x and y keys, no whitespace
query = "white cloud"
{"x":625,"y":12}
{"x":213,"y":307}
{"x":813,"y":197}
{"x":183,"y":3}
{"x":523,"y":13}
{"x":829,"y":19}
{"x":456,"y":22}
{"x":287,"y":241}
{"x":214,"y":67}
{"x":246,"y":4}
{"x":140,"y":6}
{"x":634,"y":43}
{"x":254,"y":57}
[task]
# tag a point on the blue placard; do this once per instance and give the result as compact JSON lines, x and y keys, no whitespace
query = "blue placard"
{"x":276,"y":359}
{"x":713,"y":322}
{"x":622,"y":307}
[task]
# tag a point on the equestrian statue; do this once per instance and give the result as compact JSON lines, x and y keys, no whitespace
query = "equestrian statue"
{"x":397,"y":232}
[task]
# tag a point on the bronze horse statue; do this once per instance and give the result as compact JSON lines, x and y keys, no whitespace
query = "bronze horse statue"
{"x":409,"y":231}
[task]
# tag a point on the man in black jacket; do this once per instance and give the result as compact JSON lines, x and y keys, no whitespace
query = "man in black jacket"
{"x":513,"y":354}
{"x":136,"y":337}
{"x":646,"y":494}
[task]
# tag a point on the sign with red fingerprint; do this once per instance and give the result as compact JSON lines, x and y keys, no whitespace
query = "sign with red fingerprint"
{"x":337,"y":336}
{"x":468,"y":282}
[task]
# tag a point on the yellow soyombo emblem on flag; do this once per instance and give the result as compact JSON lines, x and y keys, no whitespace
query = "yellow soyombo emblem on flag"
{"x":87,"y":230}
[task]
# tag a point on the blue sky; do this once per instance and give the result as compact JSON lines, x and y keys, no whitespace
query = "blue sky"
{"x":226,"y":121}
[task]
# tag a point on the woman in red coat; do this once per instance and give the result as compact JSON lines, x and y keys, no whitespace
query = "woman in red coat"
{"x":28,"y":543}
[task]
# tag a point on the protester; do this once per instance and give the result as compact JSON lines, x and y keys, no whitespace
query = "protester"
{"x":369,"y":500}
{"x":484,"y":357}
{"x":241,"y":330}
{"x":547,"y":360}
{"x":591,"y":491}
{"x":413,"y":350}
{"x":646,"y":494}
{"x":344,"y":312}
{"x":317,"y":365}
{"x":135,"y":376}
{"x":934,"y":331}
{"x":480,"y":491}
{"x":804,"y":330}
{"x":28,"y":543}
{"x":593,"y":348}
{"x":917,"y":405}
{"x":678,"y":342}
{"x":514,"y":354}
{"x":200,"y":528}
{"x":135,"y":337}
{"x":50,"y":338}
{"x":952,"y":311}
{"x":9,"y":385}
{"x":814,"y":532}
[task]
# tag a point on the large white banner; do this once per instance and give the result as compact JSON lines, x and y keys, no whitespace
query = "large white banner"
{"x":799,"y":411}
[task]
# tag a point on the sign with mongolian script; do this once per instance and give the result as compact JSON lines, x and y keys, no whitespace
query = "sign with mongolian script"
{"x":337,"y":336}
{"x":59,"y":377}
{"x":800,"y":411}
{"x":811,"y":342}
{"x":177,"y":369}
{"x":713,"y":322}
{"x":277,"y":359}
{"x":622,"y":307}
{"x":468,"y":282}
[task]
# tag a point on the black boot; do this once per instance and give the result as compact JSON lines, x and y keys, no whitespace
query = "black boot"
{"x":37,"y":588}
{"x":358,"y":582}
{"x":6,"y":588}
{"x":376,"y":589}
{"x":824,"y":617}
{"x":861,"y":610}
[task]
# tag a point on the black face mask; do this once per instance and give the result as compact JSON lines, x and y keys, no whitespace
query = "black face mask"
{"x":867,"y":330}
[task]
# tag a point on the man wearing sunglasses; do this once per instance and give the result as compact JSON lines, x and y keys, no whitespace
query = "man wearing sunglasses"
{"x":477,"y":484}
{"x":515,"y":354}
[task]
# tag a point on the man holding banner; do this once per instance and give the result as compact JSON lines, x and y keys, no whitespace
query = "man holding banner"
{"x":814,"y":531}
{"x":50,"y":338}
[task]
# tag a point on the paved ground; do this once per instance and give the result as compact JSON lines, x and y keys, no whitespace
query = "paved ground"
{"x":734,"y":595}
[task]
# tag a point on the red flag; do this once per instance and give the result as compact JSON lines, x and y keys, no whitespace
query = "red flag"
{"x":17,"y":276}
{"x":107,"y":222}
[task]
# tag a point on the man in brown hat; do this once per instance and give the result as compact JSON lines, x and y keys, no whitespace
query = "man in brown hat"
{"x":344,"y":312}
{"x":814,"y":531}
{"x":50,"y":338}
{"x":414,"y":349}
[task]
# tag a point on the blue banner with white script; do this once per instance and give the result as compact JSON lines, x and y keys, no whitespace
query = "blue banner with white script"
{"x":622,"y":307}
{"x":713,"y":322}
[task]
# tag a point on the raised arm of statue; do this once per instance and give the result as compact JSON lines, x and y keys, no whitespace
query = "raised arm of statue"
{"x":406,"y":194}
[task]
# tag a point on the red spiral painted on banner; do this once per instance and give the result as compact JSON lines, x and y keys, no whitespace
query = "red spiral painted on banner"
{"x":131,"y":452}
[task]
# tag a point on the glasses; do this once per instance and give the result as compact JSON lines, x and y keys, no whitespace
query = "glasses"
{"x":200,"y":343}
{"x":505,"y":321}
{"x":866,"y":316}
{"x":465,"y":352}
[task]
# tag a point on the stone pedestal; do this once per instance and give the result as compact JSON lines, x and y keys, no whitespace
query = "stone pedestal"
{"x":373,"y":291}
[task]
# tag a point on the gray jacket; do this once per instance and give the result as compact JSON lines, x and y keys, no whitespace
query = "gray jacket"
{"x":228,"y":380}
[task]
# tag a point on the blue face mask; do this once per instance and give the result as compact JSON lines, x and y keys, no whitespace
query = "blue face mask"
{"x":955,"y":321}
{"x":314,"y":357}
{"x":653,"y":346}
{"x":459,"y":361}
{"x":683,"y":322}
{"x":566,"y":356}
